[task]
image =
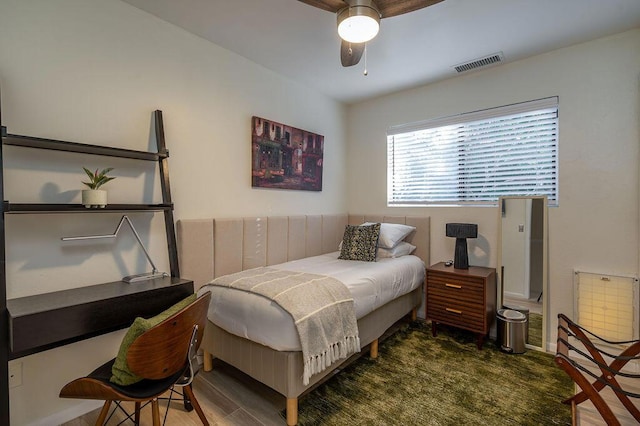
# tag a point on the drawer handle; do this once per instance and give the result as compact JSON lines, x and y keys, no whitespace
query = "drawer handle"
{"x":453,"y":285}
{"x":455,"y":311}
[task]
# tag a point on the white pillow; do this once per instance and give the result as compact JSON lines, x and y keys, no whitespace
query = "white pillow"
{"x":403,"y":248}
{"x":392,"y":233}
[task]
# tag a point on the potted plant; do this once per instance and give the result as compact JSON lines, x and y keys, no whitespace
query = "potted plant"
{"x":95,"y":197}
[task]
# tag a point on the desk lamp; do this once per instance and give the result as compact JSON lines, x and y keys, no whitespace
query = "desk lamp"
{"x":130,"y":278}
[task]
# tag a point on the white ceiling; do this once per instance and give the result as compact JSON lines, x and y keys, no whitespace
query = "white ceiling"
{"x":301,"y":42}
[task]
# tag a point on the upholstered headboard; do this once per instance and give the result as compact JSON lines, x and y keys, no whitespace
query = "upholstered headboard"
{"x":209,"y":248}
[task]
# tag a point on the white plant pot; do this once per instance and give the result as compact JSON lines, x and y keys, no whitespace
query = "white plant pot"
{"x":94,"y":198}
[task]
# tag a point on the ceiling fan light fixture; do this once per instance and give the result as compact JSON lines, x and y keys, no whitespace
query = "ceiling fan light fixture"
{"x":358,"y":24}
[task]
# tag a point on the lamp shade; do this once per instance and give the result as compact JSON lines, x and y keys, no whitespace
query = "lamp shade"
{"x":358,"y":24}
{"x":461,"y":231}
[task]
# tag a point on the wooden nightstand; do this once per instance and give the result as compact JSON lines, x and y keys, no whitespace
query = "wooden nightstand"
{"x":464,"y":298}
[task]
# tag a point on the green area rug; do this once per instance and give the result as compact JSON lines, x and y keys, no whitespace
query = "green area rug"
{"x":423,"y":380}
{"x":535,"y":329}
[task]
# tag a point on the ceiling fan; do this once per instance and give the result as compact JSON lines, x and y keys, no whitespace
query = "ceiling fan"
{"x":359,"y":21}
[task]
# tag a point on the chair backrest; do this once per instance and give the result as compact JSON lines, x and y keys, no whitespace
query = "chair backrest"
{"x":162,"y":351}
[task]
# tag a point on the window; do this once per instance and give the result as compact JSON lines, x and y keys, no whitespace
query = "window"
{"x":476,"y":157}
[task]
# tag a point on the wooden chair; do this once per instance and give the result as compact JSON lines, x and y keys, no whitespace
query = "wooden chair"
{"x":590,"y":390}
{"x":164,"y":356}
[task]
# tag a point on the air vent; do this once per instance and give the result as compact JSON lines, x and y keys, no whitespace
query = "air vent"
{"x":479,"y":63}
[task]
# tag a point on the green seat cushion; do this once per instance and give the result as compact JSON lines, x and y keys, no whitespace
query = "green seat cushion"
{"x":120,"y":372}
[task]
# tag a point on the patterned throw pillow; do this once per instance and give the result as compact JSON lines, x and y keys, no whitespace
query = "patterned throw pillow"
{"x":360,"y":242}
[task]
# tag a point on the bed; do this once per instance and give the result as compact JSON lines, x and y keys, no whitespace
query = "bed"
{"x":211,"y":248}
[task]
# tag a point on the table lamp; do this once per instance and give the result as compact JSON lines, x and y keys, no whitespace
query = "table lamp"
{"x":461,"y":231}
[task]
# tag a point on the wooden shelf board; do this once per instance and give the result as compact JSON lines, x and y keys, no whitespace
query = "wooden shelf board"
{"x":56,"y":145}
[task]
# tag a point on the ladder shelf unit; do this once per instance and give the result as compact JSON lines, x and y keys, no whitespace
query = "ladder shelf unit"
{"x":40,"y":322}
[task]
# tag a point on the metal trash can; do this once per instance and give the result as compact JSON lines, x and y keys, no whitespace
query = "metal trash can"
{"x":512,"y":326}
{"x":525,"y":311}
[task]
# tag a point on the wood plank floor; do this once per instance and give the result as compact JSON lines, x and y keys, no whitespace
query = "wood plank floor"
{"x":227,"y":396}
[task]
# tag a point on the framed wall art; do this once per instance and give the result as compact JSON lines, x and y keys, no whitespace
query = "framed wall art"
{"x":284,"y":157}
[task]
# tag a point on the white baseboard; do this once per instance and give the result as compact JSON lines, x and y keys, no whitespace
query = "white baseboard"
{"x":68,"y":414}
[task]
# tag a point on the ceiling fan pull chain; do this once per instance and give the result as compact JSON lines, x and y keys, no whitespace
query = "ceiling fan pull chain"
{"x":365,"y":60}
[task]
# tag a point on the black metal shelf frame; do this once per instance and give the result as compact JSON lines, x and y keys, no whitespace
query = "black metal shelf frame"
{"x":22,"y":208}
{"x":56,"y":145}
{"x":166,"y":207}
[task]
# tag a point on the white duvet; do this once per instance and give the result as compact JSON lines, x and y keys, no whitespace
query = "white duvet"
{"x":372,"y":285}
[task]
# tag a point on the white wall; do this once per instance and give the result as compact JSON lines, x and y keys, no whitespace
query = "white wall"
{"x":595,"y":228}
{"x":515,"y":252}
{"x":93,"y":71}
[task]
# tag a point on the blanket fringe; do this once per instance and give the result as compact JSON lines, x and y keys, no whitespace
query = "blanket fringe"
{"x":340,"y":350}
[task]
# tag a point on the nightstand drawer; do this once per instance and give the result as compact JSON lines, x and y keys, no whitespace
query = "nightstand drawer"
{"x":456,"y":290}
{"x":464,"y":305}
{"x":471,"y":284}
{"x":456,"y":313}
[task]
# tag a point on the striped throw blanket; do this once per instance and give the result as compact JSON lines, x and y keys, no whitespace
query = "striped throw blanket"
{"x":321,"y":307}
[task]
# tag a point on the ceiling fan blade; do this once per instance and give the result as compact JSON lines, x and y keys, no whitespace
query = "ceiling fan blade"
{"x":350,"y":53}
{"x":328,"y":5}
{"x":390,"y":8}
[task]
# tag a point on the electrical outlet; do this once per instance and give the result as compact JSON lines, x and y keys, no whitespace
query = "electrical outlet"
{"x":15,"y":374}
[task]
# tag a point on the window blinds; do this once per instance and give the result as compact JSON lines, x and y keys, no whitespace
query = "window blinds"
{"x":476,"y":157}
